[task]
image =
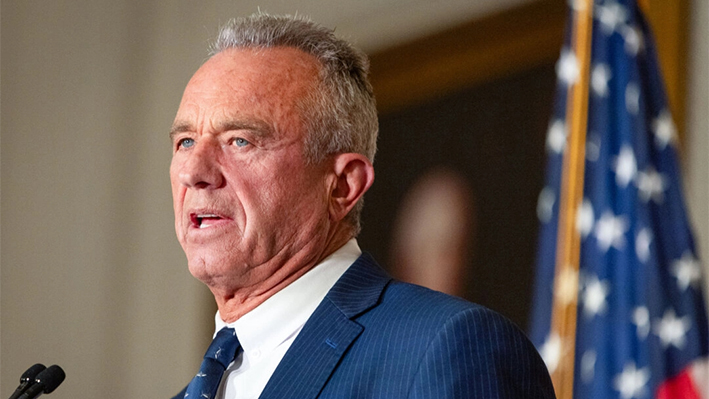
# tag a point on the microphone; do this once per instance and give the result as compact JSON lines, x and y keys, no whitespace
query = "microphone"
{"x":45,"y":382}
{"x":27,"y":379}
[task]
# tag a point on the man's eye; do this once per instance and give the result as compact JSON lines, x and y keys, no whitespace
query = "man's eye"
{"x":239,"y":142}
{"x":185,"y":143}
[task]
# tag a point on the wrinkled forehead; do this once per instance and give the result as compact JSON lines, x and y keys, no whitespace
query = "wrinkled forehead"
{"x":277,"y":70}
{"x":270,"y":81}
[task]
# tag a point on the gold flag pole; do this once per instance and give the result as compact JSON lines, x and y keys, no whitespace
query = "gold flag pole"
{"x":563,"y":324}
{"x":644,"y":6}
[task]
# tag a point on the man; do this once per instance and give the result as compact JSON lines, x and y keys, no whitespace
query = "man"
{"x":273,"y":145}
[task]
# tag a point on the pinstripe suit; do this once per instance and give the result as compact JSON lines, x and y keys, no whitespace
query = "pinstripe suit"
{"x":373,"y":337}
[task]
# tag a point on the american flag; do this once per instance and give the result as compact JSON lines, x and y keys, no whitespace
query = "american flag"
{"x":641,"y":326}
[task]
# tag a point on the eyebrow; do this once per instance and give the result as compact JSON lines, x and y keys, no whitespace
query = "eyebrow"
{"x":179,"y":127}
{"x":257,"y":126}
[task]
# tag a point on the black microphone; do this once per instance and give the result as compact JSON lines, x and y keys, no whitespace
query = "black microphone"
{"x":45,"y":382}
{"x":27,"y":379}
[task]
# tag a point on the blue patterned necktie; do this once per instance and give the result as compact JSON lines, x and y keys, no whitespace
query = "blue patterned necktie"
{"x":220,"y":354}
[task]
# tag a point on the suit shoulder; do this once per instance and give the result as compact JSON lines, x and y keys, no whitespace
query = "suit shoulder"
{"x":413,"y":300}
{"x":483,"y":353}
{"x":407,"y":307}
{"x":444,"y":316}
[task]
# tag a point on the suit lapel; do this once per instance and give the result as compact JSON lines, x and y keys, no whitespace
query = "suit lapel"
{"x":328,"y":333}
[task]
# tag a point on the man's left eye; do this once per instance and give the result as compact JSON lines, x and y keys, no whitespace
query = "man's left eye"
{"x":240,"y":142}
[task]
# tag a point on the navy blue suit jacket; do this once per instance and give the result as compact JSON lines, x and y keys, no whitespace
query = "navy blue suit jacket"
{"x":374,"y":337}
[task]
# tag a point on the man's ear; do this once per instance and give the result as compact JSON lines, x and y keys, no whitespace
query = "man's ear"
{"x":354,"y":174}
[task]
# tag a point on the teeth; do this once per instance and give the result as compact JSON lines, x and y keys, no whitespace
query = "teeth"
{"x":204,"y":217}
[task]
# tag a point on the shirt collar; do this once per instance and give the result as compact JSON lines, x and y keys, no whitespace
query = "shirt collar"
{"x":284,"y":314}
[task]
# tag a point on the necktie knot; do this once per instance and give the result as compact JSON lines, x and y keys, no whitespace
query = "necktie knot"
{"x":221,"y":352}
{"x":224,"y":346}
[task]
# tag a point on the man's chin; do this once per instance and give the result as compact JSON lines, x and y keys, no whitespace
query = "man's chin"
{"x":210,"y":269}
{"x":203,"y":267}
{"x":206,"y":275}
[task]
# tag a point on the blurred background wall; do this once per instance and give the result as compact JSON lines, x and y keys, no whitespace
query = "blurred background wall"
{"x":91,"y":276}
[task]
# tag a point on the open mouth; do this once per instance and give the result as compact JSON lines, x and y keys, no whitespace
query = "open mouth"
{"x":204,"y":220}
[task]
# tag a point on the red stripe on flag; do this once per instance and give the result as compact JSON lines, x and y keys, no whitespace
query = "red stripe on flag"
{"x":681,"y":386}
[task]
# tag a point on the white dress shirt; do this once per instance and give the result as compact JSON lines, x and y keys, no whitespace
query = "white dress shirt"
{"x":267,"y":332}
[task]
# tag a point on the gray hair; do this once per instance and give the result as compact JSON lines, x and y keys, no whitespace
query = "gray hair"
{"x":341,"y":115}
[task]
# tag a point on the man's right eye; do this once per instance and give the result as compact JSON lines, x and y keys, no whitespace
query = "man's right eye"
{"x":185,"y":143}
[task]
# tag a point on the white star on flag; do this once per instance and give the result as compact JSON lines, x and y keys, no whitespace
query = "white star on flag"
{"x":593,"y":147}
{"x":687,"y":271}
{"x":651,"y":185}
{"x":551,"y":352}
{"x":545,"y":205}
{"x":625,"y":166}
{"x":594,"y":296}
{"x":642,"y":244}
{"x":588,"y":366}
{"x":585,"y":218}
{"x":567,"y":68}
{"x":641,"y":319}
{"x":671,"y":329}
{"x":634,"y":40}
{"x":556,"y":136}
{"x":631,"y":383}
{"x":600,"y":76}
{"x":632,"y":98}
{"x":610,"y":231}
{"x":611,"y":15}
{"x":664,"y":129}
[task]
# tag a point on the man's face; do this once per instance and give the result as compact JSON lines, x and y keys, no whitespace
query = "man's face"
{"x":244,"y":197}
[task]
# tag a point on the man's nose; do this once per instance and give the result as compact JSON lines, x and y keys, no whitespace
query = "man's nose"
{"x":201,"y":168}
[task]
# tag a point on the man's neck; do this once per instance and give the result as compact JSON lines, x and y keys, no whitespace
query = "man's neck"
{"x":233,"y":304}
